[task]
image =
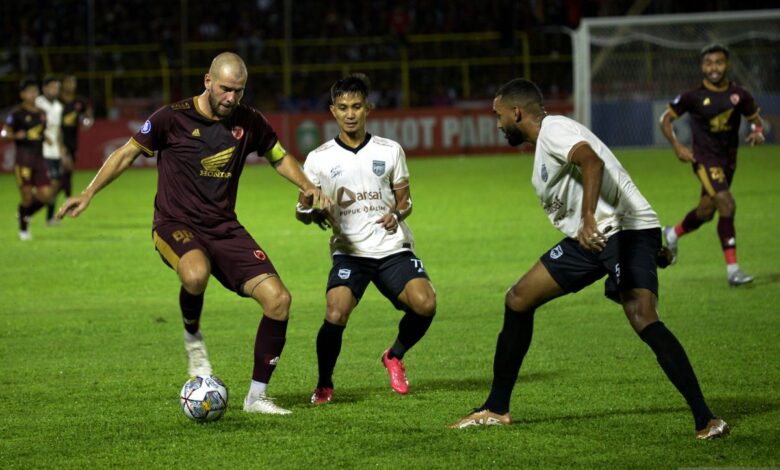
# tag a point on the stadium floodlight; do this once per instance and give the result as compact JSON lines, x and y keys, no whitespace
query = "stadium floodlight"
{"x":627,"y":68}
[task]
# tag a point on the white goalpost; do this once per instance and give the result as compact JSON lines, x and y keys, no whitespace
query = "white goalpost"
{"x":626,"y":69}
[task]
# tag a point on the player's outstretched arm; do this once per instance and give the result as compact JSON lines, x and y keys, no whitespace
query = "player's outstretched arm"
{"x":289,"y":167}
{"x":117,"y":162}
{"x":683,"y":153}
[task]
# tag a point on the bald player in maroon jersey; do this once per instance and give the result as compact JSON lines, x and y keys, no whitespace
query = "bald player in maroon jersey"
{"x":715,"y":107}
{"x":202,"y":144}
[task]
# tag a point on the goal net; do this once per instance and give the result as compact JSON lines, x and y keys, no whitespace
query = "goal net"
{"x":627,"y":69}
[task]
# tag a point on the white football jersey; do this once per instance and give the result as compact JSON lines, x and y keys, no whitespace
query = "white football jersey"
{"x":558,"y":182}
{"x":359,"y":182}
{"x":53,"y":110}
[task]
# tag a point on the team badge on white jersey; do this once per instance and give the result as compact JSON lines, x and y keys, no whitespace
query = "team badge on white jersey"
{"x":379,"y":167}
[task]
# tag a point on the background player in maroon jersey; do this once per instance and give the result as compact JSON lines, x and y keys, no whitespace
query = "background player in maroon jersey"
{"x":24,"y":125}
{"x":715,"y":108}
{"x":76,"y":112}
{"x":202,"y":144}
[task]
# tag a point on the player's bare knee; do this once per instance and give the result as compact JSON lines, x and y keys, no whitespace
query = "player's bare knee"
{"x":277,"y":306}
{"x":515,"y":300}
{"x":194,"y":278}
{"x":640,"y":311}
{"x":337,"y":316}
{"x":424,"y":304}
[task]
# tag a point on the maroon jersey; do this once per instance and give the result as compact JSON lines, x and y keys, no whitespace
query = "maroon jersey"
{"x":200,"y":160}
{"x":72,"y":112}
{"x":33,"y":123}
{"x":715,"y":117}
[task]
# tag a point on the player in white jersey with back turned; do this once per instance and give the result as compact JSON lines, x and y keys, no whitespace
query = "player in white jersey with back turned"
{"x":54,"y":153}
{"x":367,"y":178}
{"x":610,"y":229}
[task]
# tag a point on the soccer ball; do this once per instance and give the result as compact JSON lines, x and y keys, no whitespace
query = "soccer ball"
{"x":204,"y":398}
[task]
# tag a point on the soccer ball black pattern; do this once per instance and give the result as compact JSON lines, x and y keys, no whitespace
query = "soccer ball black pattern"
{"x":204,"y":398}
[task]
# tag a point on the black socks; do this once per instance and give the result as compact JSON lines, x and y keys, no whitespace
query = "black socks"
{"x":674,"y":362}
{"x":191,"y":308}
{"x":411,"y":329}
{"x":511,"y":348}
{"x":328,"y":350}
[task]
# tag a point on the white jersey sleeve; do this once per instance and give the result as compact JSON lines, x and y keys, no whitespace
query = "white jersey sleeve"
{"x":400,"y":170}
{"x":310,"y":170}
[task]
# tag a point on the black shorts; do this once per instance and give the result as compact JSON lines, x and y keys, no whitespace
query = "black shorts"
{"x":55,"y":168}
{"x":629,"y":260}
{"x":234,"y":255}
{"x":389,"y":274}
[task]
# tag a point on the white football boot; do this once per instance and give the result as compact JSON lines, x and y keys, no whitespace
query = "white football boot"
{"x":260,"y":403}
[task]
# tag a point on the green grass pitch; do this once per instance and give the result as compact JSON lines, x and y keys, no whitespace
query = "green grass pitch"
{"x":92,"y":356}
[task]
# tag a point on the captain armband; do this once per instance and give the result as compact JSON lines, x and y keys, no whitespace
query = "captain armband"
{"x":276,"y":153}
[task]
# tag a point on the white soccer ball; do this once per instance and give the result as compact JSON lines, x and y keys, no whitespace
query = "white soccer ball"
{"x":204,"y":398}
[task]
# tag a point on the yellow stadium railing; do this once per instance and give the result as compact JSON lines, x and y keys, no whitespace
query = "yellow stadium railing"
{"x":114,"y":69}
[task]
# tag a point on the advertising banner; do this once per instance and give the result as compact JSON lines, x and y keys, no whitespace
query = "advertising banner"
{"x":421,"y":132}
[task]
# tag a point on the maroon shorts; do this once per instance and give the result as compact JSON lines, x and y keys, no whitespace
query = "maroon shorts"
{"x":714,"y":176}
{"x":234,"y":255}
{"x":31,"y":169}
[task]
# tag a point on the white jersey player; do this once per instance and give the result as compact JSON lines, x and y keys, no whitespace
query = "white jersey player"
{"x":49,"y":103}
{"x":367,"y":179}
{"x":611,"y":231}
{"x":54,"y":152}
